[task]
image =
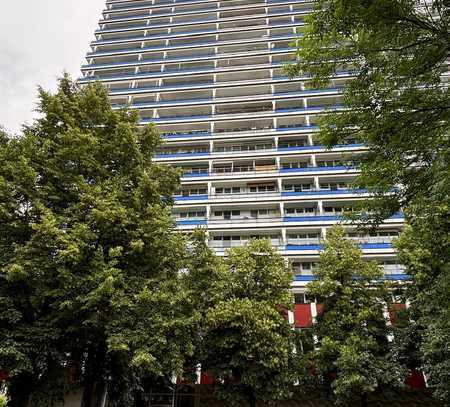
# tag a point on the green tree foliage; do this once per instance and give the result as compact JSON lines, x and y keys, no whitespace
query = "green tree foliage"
{"x":399,"y":106}
{"x":352,"y":356}
{"x":424,"y":248}
{"x":248,"y":345}
{"x":204,"y":282}
{"x":89,"y":260}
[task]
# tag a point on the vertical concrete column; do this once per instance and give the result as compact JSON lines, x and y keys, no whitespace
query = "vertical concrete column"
{"x":283,"y":237}
{"x":316,"y":183}
{"x":320,"y":207}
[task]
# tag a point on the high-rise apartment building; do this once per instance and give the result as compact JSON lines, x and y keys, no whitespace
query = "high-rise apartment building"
{"x":210,"y":75}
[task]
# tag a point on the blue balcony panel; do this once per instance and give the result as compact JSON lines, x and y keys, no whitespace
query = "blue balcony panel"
{"x":195,"y":174}
{"x":363,"y":246}
{"x":304,"y":247}
{"x":326,"y":192}
{"x":304,"y":278}
{"x":316,"y":169}
{"x":196,"y":222}
{"x":177,"y":155}
{"x":368,"y":246}
{"x":397,"y":277}
{"x":390,"y":277}
{"x":191,"y":198}
{"x":311,"y":218}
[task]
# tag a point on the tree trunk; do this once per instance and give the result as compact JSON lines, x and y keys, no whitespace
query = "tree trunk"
{"x":94,"y":395}
{"x":94,"y":386}
{"x":252,"y":399}
{"x":364,"y":400}
{"x":20,"y":390}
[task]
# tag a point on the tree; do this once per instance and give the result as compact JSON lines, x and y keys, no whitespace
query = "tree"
{"x":89,"y":258}
{"x":352,"y":356}
{"x":424,"y":248}
{"x":399,"y":107}
{"x":204,"y":282}
{"x":248,"y":345}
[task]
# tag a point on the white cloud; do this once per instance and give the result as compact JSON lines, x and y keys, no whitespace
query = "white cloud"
{"x":39,"y":39}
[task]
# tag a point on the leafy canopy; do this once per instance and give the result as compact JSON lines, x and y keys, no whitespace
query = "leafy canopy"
{"x":352,"y":357}
{"x":89,"y":259}
{"x":398,"y":104}
{"x":248,"y":343}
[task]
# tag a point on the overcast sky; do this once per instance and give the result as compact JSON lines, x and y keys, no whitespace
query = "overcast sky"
{"x":39,"y":39}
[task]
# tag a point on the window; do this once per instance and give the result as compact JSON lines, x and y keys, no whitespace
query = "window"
{"x":302,"y":298}
{"x":303,"y":236}
{"x":303,"y":268}
{"x":333,"y":209}
{"x":296,"y":164}
{"x":193,"y":214}
{"x":263,"y":213}
{"x":228,"y":190}
{"x":227,"y":214}
{"x":333,"y":186}
{"x":262,"y":188}
{"x":298,"y":187}
{"x":299,"y":211}
{"x":292,"y":143}
{"x":194,"y":191}
{"x":194,"y":170}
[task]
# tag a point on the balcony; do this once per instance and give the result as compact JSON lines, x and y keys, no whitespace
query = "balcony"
{"x":266,"y":195}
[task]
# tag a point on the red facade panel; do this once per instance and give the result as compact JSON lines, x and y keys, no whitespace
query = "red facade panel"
{"x":302,"y":315}
{"x":416,"y":380}
{"x":206,"y":378}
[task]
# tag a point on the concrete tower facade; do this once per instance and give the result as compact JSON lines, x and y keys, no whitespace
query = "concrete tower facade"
{"x":210,"y":75}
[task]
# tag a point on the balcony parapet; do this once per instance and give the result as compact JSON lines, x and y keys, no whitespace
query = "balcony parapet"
{"x":208,"y":85}
{"x":307,"y":148}
{"x":209,"y":10}
{"x":249,"y":115}
{"x":271,"y":195}
{"x":207,"y":57}
{"x":252,"y":98}
{"x":174,"y":74}
{"x":186,"y":3}
{"x":139,"y":50}
{"x":389,"y":277}
{"x":101,"y":31}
